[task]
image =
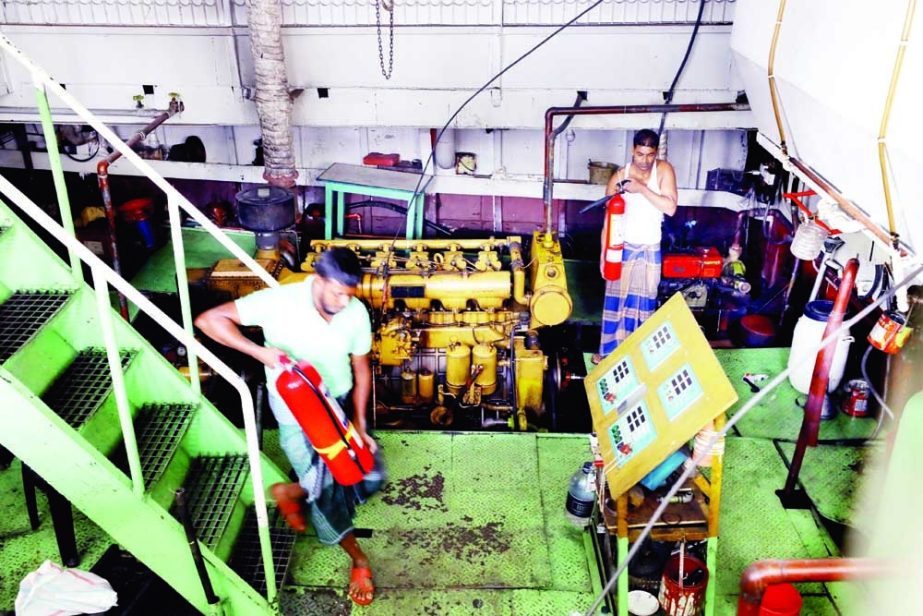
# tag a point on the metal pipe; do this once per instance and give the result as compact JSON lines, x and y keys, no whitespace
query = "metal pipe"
{"x":773,"y":92}
{"x":810,"y":426}
{"x":764,"y":573}
{"x":548,"y":186}
{"x":845,"y":204}
{"x":183,"y":514}
{"x":102,"y":178}
{"x":886,"y":116}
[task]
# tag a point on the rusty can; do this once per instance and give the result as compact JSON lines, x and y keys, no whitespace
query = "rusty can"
{"x":856,"y":400}
{"x":889,"y":333}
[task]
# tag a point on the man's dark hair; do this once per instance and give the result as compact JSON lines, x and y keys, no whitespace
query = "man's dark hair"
{"x":647,"y":138}
{"x":339,"y":264}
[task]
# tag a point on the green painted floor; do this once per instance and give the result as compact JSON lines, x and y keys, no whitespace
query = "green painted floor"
{"x":472,"y":523}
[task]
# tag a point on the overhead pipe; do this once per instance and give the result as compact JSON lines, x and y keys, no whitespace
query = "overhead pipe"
{"x":759,"y":576}
{"x":810,"y":426}
{"x":886,"y":116}
{"x":773,"y":92}
{"x":550,"y":134}
{"x":102,"y":177}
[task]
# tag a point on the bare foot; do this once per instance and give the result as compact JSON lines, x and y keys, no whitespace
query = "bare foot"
{"x":596,"y":358}
{"x":288,"y":498}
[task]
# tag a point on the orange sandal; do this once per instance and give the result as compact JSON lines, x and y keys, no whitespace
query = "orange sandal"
{"x":289,"y":507}
{"x":361,"y":577}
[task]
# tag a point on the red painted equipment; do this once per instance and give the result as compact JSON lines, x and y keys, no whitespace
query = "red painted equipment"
{"x":614,"y":229}
{"x":324,"y":422}
{"x":378,"y":159}
{"x":697,"y":263}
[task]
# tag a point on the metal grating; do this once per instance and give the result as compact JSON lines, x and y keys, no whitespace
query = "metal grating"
{"x":212,"y":487}
{"x":247,"y":560}
{"x":23,"y":314}
{"x":84,"y":385}
{"x":161,"y":429}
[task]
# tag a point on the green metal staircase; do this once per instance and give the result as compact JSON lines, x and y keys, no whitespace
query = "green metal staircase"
{"x":60,"y":417}
{"x":93,"y":409}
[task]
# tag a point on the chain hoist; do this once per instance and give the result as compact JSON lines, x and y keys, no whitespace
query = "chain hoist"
{"x":388,"y":6}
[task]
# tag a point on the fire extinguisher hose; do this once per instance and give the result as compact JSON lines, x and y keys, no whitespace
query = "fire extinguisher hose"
{"x":330,"y":414}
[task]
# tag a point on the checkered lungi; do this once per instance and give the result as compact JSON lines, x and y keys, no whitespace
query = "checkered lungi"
{"x":631,"y":299}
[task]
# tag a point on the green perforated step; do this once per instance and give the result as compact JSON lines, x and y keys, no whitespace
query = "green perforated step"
{"x":161,"y":428}
{"x":212,"y":488}
{"x":247,"y":560}
{"x":23,"y":314}
{"x":83,"y":386}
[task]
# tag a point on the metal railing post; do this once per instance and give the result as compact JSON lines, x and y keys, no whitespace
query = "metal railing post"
{"x":104,"y":308}
{"x":182,"y":287}
{"x":57,"y":173}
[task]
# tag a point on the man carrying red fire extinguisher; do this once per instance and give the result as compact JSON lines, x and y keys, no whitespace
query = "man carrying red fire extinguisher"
{"x":321,"y":322}
{"x":649,"y":187}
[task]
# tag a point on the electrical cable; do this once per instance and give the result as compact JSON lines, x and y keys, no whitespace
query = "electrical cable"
{"x":744,"y":410}
{"x":88,"y":158}
{"x":884,"y":407}
{"x":429,"y":159}
{"x":668,"y":97}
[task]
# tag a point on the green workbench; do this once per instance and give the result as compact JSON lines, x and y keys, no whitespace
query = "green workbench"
{"x":340,"y":178}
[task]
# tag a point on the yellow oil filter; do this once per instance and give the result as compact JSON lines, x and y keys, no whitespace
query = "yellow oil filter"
{"x":425,"y":385}
{"x":457,"y":366}
{"x":486,"y":356}
{"x":408,"y":387}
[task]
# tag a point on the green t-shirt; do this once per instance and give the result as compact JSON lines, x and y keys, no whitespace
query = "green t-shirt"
{"x":291,"y":323}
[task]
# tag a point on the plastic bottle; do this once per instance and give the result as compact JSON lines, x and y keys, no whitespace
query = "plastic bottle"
{"x":581,"y":494}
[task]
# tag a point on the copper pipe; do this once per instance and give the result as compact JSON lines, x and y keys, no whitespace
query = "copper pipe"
{"x":810,"y":426}
{"x":773,"y":92}
{"x":765,"y":573}
{"x":548,"y":186}
{"x":102,"y":177}
{"x":886,"y":116}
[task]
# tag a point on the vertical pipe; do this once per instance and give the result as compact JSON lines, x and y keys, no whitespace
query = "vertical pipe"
{"x":818,"y":389}
{"x":104,"y":309}
{"x":180,"y":496}
{"x":773,"y":92}
{"x":102,"y":178}
{"x":57,"y":174}
{"x":182,"y":287}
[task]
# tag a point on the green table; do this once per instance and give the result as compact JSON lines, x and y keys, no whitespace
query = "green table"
{"x":341,"y":178}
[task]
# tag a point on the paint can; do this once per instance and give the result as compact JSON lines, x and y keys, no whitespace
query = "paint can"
{"x":856,"y":398}
{"x":466,"y":163}
{"x":889,"y":333}
{"x":686,"y":597}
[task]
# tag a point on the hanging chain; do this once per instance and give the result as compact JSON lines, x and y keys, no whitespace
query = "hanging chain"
{"x":389,"y":6}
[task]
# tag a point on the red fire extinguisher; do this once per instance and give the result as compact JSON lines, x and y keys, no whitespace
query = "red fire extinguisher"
{"x":322,"y":418}
{"x":614,"y":230}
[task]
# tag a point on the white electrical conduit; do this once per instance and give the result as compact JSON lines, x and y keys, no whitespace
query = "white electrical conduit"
{"x":102,"y":272}
{"x":756,"y":399}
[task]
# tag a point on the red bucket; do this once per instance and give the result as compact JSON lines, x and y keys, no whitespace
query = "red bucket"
{"x":781,"y":600}
{"x":688,"y":598}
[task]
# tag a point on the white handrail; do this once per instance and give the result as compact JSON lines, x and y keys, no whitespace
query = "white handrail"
{"x":104,"y":272}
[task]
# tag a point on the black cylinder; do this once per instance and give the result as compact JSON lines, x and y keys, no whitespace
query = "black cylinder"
{"x":265,"y":208}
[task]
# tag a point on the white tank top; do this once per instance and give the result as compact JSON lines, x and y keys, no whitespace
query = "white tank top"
{"x":642,"y":219}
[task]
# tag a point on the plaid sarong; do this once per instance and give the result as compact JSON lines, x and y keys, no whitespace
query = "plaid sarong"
{"x":632,"y":299}
{"x":331,"y":506}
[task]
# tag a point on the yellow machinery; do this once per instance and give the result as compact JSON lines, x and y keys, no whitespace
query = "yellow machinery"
{"x":454,"y":320}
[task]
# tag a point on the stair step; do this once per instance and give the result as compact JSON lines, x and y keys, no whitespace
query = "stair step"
{"x":81,"y":389}
{"x":23,"y":314}
{"x":160,"y":431}
{"x":213,"y":485}
{"x":247,"y":560}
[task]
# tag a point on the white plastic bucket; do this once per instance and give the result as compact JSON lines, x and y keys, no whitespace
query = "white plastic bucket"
{"x":809,"y":331}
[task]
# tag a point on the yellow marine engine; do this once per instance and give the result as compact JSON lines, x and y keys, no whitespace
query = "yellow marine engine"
{"x":454,"y":322}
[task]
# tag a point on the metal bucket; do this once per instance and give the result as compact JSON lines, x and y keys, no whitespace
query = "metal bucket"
{"x":686,"y":598}
{"x":601,"y":171}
